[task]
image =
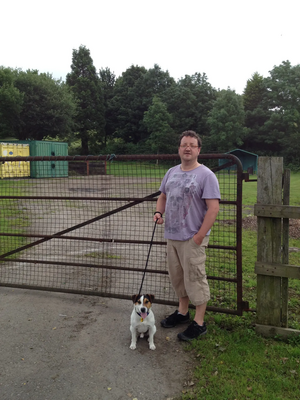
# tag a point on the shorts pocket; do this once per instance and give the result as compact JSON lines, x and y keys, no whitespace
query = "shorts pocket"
{"x":197,"y":267}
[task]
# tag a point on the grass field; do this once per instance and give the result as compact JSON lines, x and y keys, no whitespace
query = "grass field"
{"x":232,"y":362}
{"x":126,"y":168}
{"x":250,"y":190}
{"x":11,"y":217}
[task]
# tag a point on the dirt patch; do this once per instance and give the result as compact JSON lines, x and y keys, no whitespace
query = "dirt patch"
{"x":294,"y":229}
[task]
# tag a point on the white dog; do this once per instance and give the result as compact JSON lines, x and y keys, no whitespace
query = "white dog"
{"x":142,"y":319}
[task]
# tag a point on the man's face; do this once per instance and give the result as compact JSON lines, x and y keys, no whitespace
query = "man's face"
{"x":188,"y":149}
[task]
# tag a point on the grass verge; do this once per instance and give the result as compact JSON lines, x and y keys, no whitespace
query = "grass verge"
{"x":232,"y":362}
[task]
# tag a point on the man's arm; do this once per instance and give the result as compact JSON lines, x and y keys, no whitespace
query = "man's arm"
{"x":160,"y":207}
{"x":209,"y":219}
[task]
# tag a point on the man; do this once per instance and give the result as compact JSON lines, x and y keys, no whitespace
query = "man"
{"x":190,"y":199}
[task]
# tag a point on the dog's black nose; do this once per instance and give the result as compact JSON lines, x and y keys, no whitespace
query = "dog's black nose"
{"x":143,"y":309}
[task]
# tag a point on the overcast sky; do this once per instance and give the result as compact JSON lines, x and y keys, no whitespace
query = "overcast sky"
{"x":228,"y":40}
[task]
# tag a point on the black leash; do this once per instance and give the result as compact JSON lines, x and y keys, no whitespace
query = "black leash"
{"x":148,"y":256}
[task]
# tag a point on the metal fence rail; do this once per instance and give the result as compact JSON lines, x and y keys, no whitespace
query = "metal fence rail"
{"x":87,"y":228}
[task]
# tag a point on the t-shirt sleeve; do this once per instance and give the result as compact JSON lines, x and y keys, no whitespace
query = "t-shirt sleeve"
{"x":211,"y":188}
{"x":164,"y":181}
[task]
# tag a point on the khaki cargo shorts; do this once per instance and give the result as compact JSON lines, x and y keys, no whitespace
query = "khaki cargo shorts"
{"x":186,"y":265}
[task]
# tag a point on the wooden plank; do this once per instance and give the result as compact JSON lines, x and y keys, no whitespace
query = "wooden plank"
{"x":282,"y":270}
{"x":272,"y":331}
{"x":276,"y":211}
{"x":269,"y":191}
{"x":285,"y":248}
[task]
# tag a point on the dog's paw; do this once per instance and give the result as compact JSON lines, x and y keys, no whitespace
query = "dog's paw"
{"x":133,"y":346}
{"x":152,"y":347}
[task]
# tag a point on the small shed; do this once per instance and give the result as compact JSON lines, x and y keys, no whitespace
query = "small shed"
{"x":248,"y":160}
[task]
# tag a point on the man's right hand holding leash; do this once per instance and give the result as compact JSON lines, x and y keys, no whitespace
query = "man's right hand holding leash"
{"x":158,"y":217}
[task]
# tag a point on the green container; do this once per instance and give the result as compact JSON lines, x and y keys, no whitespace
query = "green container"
{"x":48,"y":169}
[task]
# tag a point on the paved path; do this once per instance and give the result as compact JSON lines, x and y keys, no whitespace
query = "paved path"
{"x":57,"y":346}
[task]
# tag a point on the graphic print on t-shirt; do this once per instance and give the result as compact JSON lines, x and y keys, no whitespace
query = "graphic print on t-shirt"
{"x":180,"y":190}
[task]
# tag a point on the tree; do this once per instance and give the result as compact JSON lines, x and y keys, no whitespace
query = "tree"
{"x":133,"y":95}
{"x":189,"y":102}
{"x":254,"y":92}
{"x":256,"y":113}
{"x":108,"y":80}
{"x":226,"y":122}
{"x":157,"y":121}
{"x":283,"y":125}
{"x":11,"y":101}
{"x":35,"y":106}
{"x":86,"y":87}
{"x":124,"y":106}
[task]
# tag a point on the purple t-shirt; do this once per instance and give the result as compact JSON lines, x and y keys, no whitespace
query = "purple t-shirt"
{"x":186,"y":192}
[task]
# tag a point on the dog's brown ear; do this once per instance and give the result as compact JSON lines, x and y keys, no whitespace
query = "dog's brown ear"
{"x":134,"y":297}
{"x":151,"y":297}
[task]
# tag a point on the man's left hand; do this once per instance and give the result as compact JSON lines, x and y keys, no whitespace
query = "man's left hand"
{"x":198,"y":240}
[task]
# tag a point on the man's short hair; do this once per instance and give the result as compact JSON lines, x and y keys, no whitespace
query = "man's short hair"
{"x":192,"y":134}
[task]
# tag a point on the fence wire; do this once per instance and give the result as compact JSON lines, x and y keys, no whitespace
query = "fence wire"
{"x":85,"y":227}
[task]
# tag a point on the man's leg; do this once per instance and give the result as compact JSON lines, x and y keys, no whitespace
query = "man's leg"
{"x":183,"y":305}
{"x":197,"y":287}
{"x":180,"y":316}
{"x":200,"y":310}
{"x":200,"y":313}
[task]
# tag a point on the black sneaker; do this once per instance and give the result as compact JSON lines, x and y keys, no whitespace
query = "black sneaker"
{"x":193,"y":331}
{"x":175,"y":319}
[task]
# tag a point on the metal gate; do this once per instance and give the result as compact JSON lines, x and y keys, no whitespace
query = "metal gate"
{"x":89,"y":231}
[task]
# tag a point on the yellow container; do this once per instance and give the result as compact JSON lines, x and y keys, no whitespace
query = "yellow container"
{"x":14,"y":169}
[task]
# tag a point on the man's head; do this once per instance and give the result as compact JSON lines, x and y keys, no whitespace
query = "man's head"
{"x":189,"y":149}
{"x":191,"y":134}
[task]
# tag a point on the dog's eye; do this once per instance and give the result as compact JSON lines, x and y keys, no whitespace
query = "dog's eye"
{"x":146,"y":301}
{"x":139,"y":302}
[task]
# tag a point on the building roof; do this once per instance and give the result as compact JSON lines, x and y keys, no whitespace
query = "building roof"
{"x":241,"y":151}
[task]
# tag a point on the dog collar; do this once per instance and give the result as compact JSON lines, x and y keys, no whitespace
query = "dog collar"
{"x":139,"y":314}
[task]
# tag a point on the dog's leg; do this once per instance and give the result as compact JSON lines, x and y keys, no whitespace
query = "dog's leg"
{"x":133,"y":338}
{"x":152,"y":331}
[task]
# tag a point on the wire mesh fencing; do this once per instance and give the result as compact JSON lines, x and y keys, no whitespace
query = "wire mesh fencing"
{"x":84,"y":225}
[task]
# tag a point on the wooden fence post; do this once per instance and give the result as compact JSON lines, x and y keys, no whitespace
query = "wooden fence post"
{"x":269,"y":288}
{"x":285,"y":247}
